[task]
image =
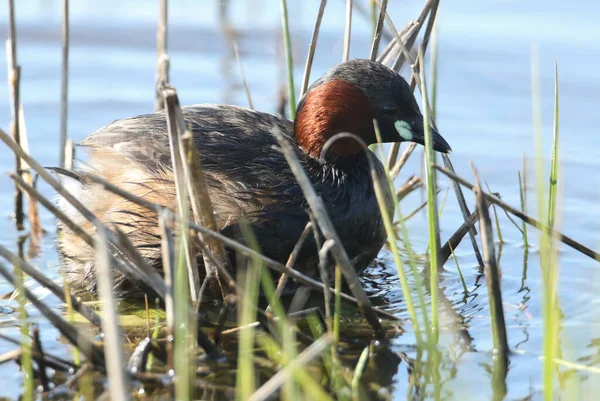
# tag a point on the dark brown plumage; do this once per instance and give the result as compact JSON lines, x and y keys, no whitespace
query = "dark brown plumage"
{"x":246,"y":174}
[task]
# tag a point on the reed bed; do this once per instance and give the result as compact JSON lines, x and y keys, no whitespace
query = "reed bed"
{"x":260,"y":350}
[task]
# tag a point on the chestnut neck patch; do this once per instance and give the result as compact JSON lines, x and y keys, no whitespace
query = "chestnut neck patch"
{"x":334,"y":107}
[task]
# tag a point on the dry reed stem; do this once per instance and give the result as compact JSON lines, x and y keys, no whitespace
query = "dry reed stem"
{"x":162,"y":63}
{"x":456,"y":238}
{"x":36,"y":348}
{"x":14,"y":80}
{"x":311,"y":48}
{"x":54,"y":288}
{"x":290,"y":263}
{"x":168,"y":263}
{"x":244,"y":250}
{"x":115,"y":360}
{"x":415,"y":80}
{"x":35,"y":226}
{"x":378,"y":31}
{"x":15,"y":355}
{"x":53,"y":361}
{"x":203,"y":209}
{"x":267,"y":390}
{"x":328,"y":230}
{"x":462,"y":203}
{"x":390,"y":50}
{"x":244,"y":82}
{"x":527,"y":219}
{"x":430,"y":8}
{"x":64,"y":82}
{"x":323,"y":252}
{"x":347,"y":31}
{"x":69,"y":154}
{"x":176,"y":128}
{"x":76,"y":337}
{"x":409,"y":186}
{"x":395,"y":169}
{"x":420,"y":207}
{"x":132,"y":273}
{"x":492,"y":276}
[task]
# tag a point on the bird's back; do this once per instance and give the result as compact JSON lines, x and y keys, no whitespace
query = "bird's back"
{"x":247,"y":176}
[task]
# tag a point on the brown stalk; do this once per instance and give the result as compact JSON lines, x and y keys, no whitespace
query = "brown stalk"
{"x":415,"y":80}
{"x":244,"y":82}
{"x":492,"y":276}
{"x":176,"y":127}
{"x":290,"y":263}
{"x":168,"y":263}
{"x":115,"y":360}
{"x":14,"y":82}
{"x":430,"y":8}
{"x":409,"y":186}
{"x":202,"y":208}
{"x":391,"y":49}
{"x":397,"y":166}
{"x":46,"y":282}
{"x":323,"y":252}
{"x":274,"y":383}
{"x":35,"y":226}
{"x":69,"y":154}
{"x":228,"y":242}
{"x":38,"y":350}
{"x":456,"y":238}
{"x":311,"y":49}
{"x":347,"y":31}
{"x":378,"y":30}
{"x":132,"y":273}
{"x":328,"y":230}
{"x":462,"y":203}
{"x":70,"y":332}
{"x":162,"y":63}
{"x":52,"y":361}
{"x":527,"y":219}
{"x":64,"y":83}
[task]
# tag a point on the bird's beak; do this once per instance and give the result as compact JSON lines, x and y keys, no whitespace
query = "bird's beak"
{"x":413,"y":131}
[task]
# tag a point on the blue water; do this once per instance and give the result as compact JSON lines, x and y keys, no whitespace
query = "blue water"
{"x":484,"y":111}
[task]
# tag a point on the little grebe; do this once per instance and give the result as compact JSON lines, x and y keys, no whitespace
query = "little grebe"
{"x":247,"y":176}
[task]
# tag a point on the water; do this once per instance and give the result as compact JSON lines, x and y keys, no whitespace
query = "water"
{"x":484,"y":111}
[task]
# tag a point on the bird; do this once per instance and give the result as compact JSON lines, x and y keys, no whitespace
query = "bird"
{"x":247,"y":176}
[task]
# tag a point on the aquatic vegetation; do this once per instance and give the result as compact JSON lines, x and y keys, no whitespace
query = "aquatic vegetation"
{"x":240,"y":336}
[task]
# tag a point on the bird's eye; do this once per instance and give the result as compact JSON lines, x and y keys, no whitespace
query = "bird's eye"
{"x":390,"y":110}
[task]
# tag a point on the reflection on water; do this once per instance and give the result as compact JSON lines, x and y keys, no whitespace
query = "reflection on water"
{"x":483,"y":107}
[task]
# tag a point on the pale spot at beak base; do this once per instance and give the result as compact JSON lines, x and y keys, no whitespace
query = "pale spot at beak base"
{"x":404,"y":130}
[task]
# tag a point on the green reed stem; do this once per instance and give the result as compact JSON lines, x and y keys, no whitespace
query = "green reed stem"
{"x":554,"y":163}
{"x":374,"y":15}
{"x":434,"y":69}
{"x":246,"y":376}
{"x":337,"y":311}
{"x":285,"y":329}
{"x":523,"y":209}
{"x":289,"y":59}
{"x":70,"y":317}
{"x":548,"y":261}
{"x":496,"y":220}
{"x":182,"y":346}
{"x":313,"y":390}
{"x":392,"y":238}
{"x":462,"y":278}
{"x":358,"y":371}
{"x":26,"y":343}
{"x":434,"y":234}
